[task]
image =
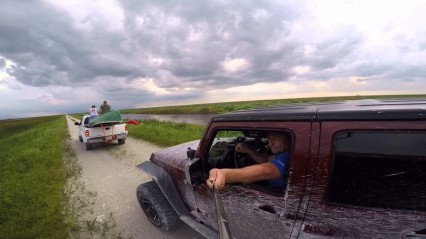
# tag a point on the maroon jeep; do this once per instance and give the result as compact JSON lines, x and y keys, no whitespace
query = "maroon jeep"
{"x":357,"y":169}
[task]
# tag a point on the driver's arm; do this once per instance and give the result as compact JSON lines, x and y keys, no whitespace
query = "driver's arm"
{"x":249,"y":174}
{"x":255,"y":155}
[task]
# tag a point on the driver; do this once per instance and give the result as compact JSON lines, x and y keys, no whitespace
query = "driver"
{"x":271,"y":168}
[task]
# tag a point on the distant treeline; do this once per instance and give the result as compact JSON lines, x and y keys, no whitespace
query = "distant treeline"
{"x":224,"y":107}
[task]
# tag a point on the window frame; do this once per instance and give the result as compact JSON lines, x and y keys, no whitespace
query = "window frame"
{"x":255,"y":185}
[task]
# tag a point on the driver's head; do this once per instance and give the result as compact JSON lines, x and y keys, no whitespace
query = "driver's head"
{"x":278,"y":142}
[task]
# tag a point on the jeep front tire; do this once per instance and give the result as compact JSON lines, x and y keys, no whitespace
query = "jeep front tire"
{"x":156,"y":207}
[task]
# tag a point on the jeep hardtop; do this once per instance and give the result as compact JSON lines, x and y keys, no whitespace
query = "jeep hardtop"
{"x":357,"y":169}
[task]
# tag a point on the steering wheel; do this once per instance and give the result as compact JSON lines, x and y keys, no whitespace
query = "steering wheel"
{"x":242,"y":160}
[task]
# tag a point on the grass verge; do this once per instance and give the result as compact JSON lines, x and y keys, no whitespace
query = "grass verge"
{"x":42,"y":195}
{"x":32,"y":179}
{"x":166,"y":133}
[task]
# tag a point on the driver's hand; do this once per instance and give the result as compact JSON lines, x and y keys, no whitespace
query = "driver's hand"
{"x":242,"y":148}
{"x":216,"y":178}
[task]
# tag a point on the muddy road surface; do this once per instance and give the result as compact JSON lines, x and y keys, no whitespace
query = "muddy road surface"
{"x":110,"y":172}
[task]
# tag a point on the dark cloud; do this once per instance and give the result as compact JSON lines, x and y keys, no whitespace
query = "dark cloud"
{"x":49,"y":50}
{"x":187,"y":45}
{"x":192,"y":39}
{"x":227,"y":30}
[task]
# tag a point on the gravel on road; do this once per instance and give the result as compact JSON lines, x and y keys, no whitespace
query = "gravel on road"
{"x":108,"y":170}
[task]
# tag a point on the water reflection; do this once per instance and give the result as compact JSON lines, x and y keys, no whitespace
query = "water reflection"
{"x":199,"y":119}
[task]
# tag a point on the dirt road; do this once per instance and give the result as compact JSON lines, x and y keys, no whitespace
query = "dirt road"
{"x":110,"y":172}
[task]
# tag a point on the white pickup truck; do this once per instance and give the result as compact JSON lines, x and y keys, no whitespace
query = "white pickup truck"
{"x":101,"y":133}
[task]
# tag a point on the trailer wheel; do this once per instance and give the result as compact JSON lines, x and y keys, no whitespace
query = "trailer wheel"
{"x":156,"y":207}
{"x":88,"y":146}
{"x":121,"y":141}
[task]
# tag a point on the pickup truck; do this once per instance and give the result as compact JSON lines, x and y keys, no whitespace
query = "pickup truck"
{"x":355,"y":169}
{"x":101,"y":133}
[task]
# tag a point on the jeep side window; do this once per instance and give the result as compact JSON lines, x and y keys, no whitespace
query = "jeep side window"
{"x":222,"y":153}
{"x":379,"y":169}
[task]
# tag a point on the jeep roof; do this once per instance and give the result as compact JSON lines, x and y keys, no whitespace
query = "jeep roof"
{"x":344,"y":110}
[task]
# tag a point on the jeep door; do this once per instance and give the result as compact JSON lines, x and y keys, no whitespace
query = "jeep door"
{"x":252,"y":210}
{"x":370,"y":181}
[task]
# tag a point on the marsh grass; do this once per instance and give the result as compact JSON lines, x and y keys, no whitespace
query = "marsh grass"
{"x":11,"y":126}
{"x":32,"y":178}
{"x":162,"y":133}
{"x":165,"y":133}
{"x":76,"y":117}
{"x":42,"y":195}
{"x":224,"y":107}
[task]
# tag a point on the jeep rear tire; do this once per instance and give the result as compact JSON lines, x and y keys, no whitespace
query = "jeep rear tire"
{"x":156,"y":207}
{"x":80,"y":138}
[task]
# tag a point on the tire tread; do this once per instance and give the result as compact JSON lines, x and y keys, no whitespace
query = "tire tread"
{"x":168,"y":216}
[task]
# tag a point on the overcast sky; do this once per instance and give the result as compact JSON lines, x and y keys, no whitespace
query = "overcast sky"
{"x":63,"y":56}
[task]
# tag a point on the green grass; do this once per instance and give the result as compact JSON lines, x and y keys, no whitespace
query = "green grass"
{"x":77,"y":116}
{"x":41,"y":194}
{"x":166,"y":133}
{"x":224,"y":107}
{"x":9,"y":127}
{"x":32,"y":178}
{"x":163,"y":133}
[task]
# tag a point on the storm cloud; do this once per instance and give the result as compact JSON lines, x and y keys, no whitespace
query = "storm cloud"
{"x":66,"y":56}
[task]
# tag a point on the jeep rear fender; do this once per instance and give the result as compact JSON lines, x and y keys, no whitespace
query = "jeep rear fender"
{"x":165,"y":183}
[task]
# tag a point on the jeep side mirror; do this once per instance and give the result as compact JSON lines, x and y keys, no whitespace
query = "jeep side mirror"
{"x":193,"y":172}
{"x":76,"y":123}
{"x":190,"y":153}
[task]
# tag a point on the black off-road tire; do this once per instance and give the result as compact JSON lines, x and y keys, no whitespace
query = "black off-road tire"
{"x":121,"y":141}
{"x":88,"y":146}
{"x":80,"y":138}
{"x":156,"y":207}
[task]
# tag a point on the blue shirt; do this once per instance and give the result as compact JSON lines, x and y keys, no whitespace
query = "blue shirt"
{"x":280,"y":161}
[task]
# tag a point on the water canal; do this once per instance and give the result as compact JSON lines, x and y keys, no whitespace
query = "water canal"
{"x":199,"y":119}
